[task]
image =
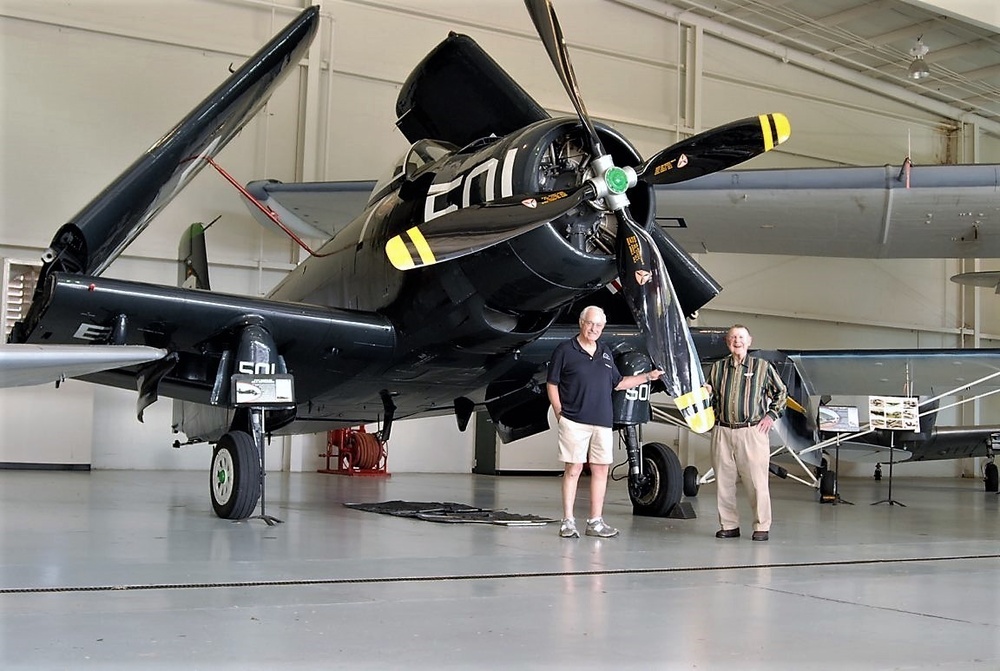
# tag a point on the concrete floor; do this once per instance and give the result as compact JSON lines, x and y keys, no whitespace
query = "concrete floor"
{"x":128,"y":570}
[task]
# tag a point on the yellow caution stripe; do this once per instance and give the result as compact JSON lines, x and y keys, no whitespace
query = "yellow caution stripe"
{"x":696,"y":409}
{"x":404,"y":256}
{"x":774,"y":129}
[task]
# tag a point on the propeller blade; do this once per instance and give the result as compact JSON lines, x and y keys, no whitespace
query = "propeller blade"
{"x":651,"y":297}
{"x":716,"y":149}
{"x":547,"y":26}
{"x":474,"y":228}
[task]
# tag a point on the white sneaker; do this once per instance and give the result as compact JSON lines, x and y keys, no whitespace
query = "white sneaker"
{"x":600,"y":529}
{"x":568,"y":529}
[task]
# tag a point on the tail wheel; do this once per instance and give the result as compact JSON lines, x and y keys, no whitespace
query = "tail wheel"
{"x":990,"y":476}
{"x":235,"y":476}
{"x":691,"y":485}
{"x":663,"y":482}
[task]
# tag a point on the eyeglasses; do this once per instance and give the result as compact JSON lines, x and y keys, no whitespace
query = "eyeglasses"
{"x":597,"y":325}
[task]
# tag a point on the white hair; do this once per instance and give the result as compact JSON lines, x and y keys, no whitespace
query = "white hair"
{"x":598,"y":310}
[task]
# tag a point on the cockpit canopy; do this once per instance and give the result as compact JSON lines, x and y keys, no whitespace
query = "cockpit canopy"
{"x":417,"y":156}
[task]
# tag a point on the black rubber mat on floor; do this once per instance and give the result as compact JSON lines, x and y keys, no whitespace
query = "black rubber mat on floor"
{"x":455,"y":513}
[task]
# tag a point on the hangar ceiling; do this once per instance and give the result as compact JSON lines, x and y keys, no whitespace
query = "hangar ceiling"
{"x":870,"y":38}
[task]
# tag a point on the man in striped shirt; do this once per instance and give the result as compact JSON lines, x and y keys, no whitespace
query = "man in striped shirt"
{"x":747,"y":396}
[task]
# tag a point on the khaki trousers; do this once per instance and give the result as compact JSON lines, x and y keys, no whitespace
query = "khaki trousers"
{"x":744,"y":453}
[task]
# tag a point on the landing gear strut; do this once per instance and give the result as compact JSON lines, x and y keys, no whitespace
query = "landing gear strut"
{"x":655,"y":477}
{"x":237,"y":476}
{"x":257,"y":425}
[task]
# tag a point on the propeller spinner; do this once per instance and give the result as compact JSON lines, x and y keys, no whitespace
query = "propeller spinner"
{"x":645,"y":282}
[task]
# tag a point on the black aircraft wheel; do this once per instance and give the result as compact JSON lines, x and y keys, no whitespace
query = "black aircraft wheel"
{"x":691,"y":485}
{"x":235,"y":477}
{"x":663,"y":485}
{"x":828,"y":486}
{"x":991,"y":478}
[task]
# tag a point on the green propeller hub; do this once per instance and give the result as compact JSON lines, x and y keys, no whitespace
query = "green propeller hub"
{"x":617,"y":180}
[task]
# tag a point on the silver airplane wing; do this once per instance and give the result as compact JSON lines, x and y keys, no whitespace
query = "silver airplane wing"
{"x":941,"y":211}
{"x":24,"y":365}
{"x":928,"y":372}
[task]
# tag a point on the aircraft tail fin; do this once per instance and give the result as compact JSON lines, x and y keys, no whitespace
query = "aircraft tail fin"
{"x":105,"y":227}
{"x":192,"y":258}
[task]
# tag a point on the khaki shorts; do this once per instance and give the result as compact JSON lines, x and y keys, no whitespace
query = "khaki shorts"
{"x":583,"y":443}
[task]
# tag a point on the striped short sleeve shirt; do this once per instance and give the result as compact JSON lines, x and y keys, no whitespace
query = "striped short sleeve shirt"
{"x":745,"y":392}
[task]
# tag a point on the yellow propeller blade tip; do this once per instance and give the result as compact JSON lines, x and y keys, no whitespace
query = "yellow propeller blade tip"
{"x":782,"y":125}
{"x":696,"y":409}
{"x":701,"y":422}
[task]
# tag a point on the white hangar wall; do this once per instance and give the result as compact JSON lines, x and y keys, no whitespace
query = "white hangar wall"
{"x":89,"y":85}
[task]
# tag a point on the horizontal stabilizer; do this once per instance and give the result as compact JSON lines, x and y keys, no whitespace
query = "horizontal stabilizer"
{"x":866,"y":453}
{"x":989,"y":279}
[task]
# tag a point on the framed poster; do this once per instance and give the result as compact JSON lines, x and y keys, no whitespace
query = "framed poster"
{"x":898,"y":413}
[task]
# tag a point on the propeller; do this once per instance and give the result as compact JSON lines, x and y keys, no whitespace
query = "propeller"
{"x":478,"y":226}
{"x":481,"y":225}
{"x":716,"y":149}
{"x":645,"y":282}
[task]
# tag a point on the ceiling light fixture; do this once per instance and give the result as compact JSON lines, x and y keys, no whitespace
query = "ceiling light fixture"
{"x":918,"y":68}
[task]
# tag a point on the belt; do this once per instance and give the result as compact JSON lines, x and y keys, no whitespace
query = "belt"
{"x":737,"y":425}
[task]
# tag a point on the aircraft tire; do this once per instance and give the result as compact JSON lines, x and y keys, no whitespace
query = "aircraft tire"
{"x":691,"y":485}
{"x":665,"y":484}
{"x":235,"y":477}
{"x":991,"y":478}
{"x":828,"y":485}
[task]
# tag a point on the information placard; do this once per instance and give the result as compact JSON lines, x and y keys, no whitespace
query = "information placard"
{"x":839,"y":418}
{"x":897,"y":413}
{"x":263,"y":390}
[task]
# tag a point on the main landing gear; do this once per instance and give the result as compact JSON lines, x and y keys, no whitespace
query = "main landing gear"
{"x":237,"y":477}
{"x":655,"y":477}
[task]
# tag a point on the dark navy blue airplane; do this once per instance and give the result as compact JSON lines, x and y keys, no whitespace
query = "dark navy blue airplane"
{"x":447,"y":293}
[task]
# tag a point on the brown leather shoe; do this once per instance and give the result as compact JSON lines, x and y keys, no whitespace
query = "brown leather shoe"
{"x":759,"y":536}
{"x":728,"y":533}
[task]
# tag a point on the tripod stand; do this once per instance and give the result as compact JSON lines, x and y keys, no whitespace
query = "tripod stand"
{"x":890,"y":500}
{"x":257,"y":425}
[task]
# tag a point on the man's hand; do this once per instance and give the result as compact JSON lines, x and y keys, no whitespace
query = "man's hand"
{"x":764,"y":426}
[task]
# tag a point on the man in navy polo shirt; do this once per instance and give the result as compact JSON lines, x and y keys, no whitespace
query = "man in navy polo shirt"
{"x":582,"y":375}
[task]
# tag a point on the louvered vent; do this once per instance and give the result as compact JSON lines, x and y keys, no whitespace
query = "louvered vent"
{"x":19,"y":280}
